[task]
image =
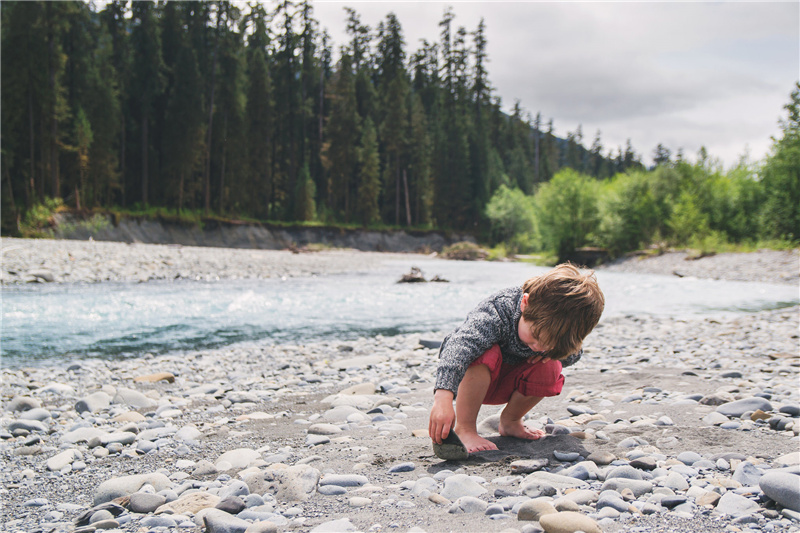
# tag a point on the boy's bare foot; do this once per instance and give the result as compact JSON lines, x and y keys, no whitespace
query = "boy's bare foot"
{"x":474,"y":442}
{"x":519,"y":430}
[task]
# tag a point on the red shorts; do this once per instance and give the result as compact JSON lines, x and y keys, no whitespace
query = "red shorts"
{"x":540,"y":379}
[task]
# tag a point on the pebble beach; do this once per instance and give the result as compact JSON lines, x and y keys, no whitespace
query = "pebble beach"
{"x":664,"y":425}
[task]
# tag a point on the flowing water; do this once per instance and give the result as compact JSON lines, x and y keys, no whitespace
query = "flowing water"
{"x":65,"y":322}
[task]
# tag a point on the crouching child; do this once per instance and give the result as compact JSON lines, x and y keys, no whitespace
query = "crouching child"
{"x":510,"y":350}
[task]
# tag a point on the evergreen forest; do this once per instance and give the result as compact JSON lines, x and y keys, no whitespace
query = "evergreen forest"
{"x":250,"y":112}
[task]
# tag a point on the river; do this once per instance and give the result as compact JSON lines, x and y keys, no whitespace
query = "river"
{"x":64,"y":322}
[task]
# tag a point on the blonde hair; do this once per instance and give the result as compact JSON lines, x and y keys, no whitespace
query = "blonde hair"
{"x":564,"y":306}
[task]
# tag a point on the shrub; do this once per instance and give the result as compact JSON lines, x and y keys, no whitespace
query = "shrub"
{"x":510,"y":213}
{"x":566,"y":211}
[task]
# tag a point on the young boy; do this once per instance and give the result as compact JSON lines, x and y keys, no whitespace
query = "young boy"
{"x":510,"y":350}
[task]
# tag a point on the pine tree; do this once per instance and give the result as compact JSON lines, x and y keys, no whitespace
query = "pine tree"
{"x":368,"y":175}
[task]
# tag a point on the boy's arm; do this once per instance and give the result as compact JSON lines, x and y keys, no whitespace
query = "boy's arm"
{"x":443,"y":416}
{"x":478,"y":333}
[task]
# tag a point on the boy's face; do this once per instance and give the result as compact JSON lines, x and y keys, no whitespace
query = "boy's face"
{"x":525,"y":332}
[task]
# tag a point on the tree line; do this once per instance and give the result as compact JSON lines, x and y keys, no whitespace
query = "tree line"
{"x":245,"y":111}
{"x":676,"y":203}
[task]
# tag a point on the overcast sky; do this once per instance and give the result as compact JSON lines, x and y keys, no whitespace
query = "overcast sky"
{"x":684,"y":74}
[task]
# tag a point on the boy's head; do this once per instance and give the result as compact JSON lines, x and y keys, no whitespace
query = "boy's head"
{"x":562,"y":307}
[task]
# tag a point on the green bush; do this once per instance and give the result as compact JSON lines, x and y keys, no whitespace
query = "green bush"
{"x":38,"y":219}
{"x":566,"y":210}
{"x":510,"y":213}
{"x":629,"y":213}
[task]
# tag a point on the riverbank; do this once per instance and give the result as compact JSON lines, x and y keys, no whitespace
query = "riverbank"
{"x":664,"y":425}
{"x":49,"y":260}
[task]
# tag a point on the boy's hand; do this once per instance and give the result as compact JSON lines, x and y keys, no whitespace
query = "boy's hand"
{"x":443,"y":416}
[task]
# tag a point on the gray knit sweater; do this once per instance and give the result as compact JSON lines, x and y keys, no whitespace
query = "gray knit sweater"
{"x":494,"y":321}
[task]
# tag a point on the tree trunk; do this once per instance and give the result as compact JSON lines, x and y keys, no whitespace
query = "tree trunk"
{"x":408,"y":203}
{"x":180,"y":192}
{"x":121,"y":164}
{"x":144,"y":161}
{"x":207,"y":171}
{"x":54,"y":178}
{"x":397,"y":190}
{"x":222,"y":169}
{"x":30,"y":188}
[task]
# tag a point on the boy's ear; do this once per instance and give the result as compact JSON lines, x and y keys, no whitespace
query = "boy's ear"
{"x":524,"y":302}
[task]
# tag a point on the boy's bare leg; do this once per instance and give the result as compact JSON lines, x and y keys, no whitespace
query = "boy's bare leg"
{"x":471,"y":393}
{"x":511,"y":417}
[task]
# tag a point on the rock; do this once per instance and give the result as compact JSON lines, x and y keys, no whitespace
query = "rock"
{"x":638,"y":487}
{"x":343,"y":525}
{"x":264,"y":526}
{"x":324,"y":429}
{"x":644,"y":463}
{"x":93,"y":403}
{"x":554,"y":480}
{"x":612,"y":500}
{"x":468,"y":504}
{"x":158,"y":521}
{"x":566,"y":456}
{"x":747,"y":474}
{"x":133,"y":399}
{"x":296,"y":483}
{"x":737,"y":408}
{"x":624,"y":472}
{"x":344,"y":480}
{"x":238,"y":459}
{"x":231,"y":505}
{"x":532,"y":510}
{"x":601,"y":458}
{"x":30,"y":426}
{"x":709,"y":498}
{"x":143,"y":502}
{"x":527,"y":466}
{"x":735,"y":505}
{"x":689,"y":458}
{"x":789,"y":459}
{"x":451,"y":448}
{"x":783,"y":488}
{"x":460,"y":485}
{"x":358,"y":501}
{"x":22,"y":403}
{"x":402,"y":467}
{"x":568,"y":522}
{"x":192,"y":503}
{"x":37,"y":413}
{"x":362,"y":362}
{"x":153,"y":378}
{"x":361,"y":388}
{"x":127,"y":485}
{"x":57,"y":462}
{"x":217,"y":521}
{"x":676,"y":481}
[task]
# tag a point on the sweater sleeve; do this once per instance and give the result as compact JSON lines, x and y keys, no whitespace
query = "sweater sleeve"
{"x":478,"y":333}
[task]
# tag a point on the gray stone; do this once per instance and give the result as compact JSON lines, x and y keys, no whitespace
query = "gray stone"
{"x":37,"y":413}
{"x":735,"y":505}
{"x":624,"y":472}
{"x":143,"y":502}
{"x":739,"y":407}
{"x":324,"y":429}
{"x":217,"y":521}
{"x":120,"y":437}
{"x":22,"y":403}
{"x":614,"y":501}
{"x":158,"y":521}
{"x":689,"y":458}
{"x":568,"y":522}
{"x":402,"y":467}
{"x":451,"y":448}
{"x":239,"y":458}
{"x":783,"y":488}
{"x":93,"y":403}
{"x":264,"y":526}
{"x":297,"y":483}
{"x":344,"y":480}
{"x":127,"y":485}
{"x":468,"y":504}
{"x":638,"y":487}
{"x":532,"y":510}
{"x":27,"y":425}
{"x":59,"y":461}
{"x":231,"y":505}
{"x":342,"y":525}
{"x":133,"y":399}
{"x":460,"y":485}
{"x":747,"y":474}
